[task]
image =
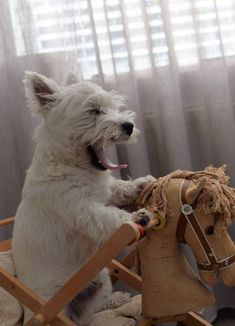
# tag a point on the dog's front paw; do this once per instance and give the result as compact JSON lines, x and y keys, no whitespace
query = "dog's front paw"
{"x":117,"y":299}
{"x":131,"y":309}
{"x":142,"y":216}
{"x":142,"y":182}
{"x":125,"y":193}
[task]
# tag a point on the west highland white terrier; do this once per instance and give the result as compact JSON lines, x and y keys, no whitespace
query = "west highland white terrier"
{"x":70,"y":202}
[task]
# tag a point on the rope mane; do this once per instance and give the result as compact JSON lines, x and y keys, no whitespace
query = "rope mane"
{"x":216,"y":197}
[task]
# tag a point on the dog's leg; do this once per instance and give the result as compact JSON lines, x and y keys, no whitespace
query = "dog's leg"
{"x":97,"y":220}
{"x":108,"y":219}
{"x":116,"y":299}
{"x":85,"y":306}
{"x":124,"y":193}
{"x":77,"y":306}
{"x":96,"y":298}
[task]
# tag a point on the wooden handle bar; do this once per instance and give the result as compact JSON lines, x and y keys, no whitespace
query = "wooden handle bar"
{"x":7,"y":221}
{"x":152,"y":223}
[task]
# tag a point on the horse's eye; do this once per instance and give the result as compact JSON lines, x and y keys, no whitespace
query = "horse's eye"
{"x":209,"y":230}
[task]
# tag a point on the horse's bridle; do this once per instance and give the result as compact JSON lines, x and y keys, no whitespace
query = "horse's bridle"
{"x":188,"y":216}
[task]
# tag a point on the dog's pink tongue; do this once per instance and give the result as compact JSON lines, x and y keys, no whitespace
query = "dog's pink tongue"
{"x":105,"y":161}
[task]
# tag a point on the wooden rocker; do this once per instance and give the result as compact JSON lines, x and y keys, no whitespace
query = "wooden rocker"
{"x":49,"y":312}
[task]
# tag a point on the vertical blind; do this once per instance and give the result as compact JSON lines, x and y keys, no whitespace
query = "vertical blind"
{"x":116,"y":36}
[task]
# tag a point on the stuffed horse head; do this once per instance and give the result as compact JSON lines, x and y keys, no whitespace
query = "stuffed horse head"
{"x":197,"y":208}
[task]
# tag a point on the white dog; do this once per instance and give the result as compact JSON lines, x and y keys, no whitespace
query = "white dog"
{"x":70,"y":202}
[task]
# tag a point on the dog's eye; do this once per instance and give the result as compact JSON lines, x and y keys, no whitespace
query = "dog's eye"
{"x":96,"y":111}
{"x":209,"y":230}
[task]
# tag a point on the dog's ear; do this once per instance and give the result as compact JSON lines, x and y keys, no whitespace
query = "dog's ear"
{"x":96,"y":79}
{"x":71,"y":78}
{"x":42,"y":93}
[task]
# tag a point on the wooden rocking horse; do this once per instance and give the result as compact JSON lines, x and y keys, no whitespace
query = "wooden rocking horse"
{"x":196,"y":207}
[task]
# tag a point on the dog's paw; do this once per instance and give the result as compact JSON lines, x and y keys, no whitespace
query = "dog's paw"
{"x":142,"y":216}
{"x":131,"y":309}
{"x":125,"y":193}
{"x":142,"y":182}
{"x":117,"y":299}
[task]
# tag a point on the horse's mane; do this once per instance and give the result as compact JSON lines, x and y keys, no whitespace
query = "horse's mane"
{"x":215,"y":198}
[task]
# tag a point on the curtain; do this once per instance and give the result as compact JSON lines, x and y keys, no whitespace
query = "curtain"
{"x":174,"y":60}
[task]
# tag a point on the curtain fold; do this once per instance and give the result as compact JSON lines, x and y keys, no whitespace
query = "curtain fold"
{"x":173,"y":60}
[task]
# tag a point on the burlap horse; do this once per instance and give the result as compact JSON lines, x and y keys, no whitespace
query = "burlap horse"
{"x":197,"y":208}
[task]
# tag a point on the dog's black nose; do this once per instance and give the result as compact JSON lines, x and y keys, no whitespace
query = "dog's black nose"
{"x":128,"y":127}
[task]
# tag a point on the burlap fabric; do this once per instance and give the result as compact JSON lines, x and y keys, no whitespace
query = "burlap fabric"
{"x":170,"y":287}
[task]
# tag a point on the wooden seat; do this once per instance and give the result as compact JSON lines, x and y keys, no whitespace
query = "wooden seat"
{"x":49,"y":312}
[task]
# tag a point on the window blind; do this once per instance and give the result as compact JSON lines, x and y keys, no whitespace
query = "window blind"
{"x":117,"y":36}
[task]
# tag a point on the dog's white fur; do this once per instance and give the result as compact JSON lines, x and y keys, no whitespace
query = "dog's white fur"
{"x":69,"y":207}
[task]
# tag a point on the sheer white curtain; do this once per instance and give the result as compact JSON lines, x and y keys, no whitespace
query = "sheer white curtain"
{"x":173,"y":59}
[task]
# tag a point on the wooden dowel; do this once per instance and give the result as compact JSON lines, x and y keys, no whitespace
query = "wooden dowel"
{"x":125,"y":275}
{"x":7,"y":221}
{"x":146,"y":322}
{"x":5,"y":245}
{"x":157,"y":223}
{"x":39,"y":320}
{"x":128,"y":262}
{"x":152,"y":223}
{"x":194,"y":319}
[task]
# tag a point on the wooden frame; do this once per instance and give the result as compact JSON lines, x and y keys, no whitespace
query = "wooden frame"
{"x":49,"y":312}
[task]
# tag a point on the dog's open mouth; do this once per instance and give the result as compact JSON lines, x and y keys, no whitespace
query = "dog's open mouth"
{"x":100,"y":159}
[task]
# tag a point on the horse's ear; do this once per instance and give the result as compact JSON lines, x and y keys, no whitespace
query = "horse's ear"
{"x":193,"y":192}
